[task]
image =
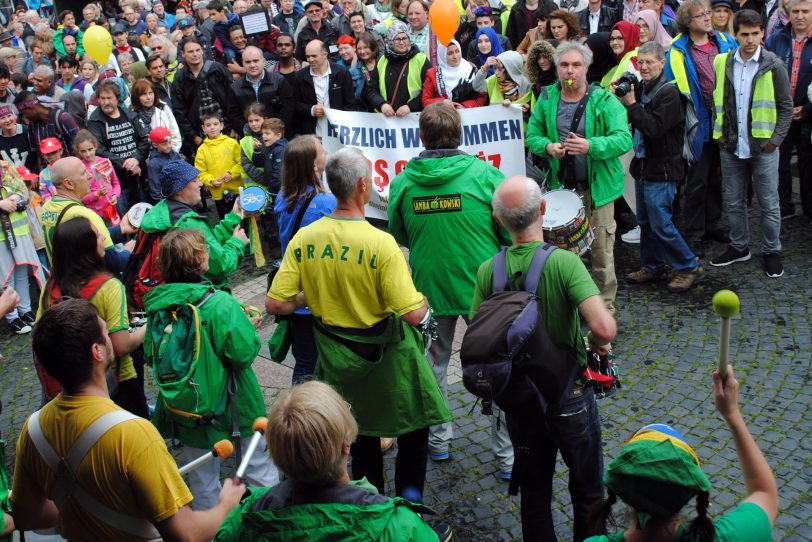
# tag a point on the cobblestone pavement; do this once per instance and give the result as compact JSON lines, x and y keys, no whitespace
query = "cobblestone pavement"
{"x":666,"y":347}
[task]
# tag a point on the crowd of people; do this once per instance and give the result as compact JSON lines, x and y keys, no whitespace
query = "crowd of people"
{"x":665,"y":119}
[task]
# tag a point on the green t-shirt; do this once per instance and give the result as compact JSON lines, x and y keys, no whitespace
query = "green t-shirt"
{"x":748,"y":522}
{"x":565,"y":284}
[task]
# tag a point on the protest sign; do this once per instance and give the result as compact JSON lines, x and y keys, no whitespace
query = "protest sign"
{"x":494,"y":134}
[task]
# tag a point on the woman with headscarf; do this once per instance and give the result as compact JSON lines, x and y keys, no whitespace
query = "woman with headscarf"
{"x":487,"y":45}
{"x":540,"y":66}
{"x":452,"y":80}
{"x":651,"y":29}
{"x":657,"y":473}
{"x":396,"y":85}
{"x":507,"y":85}
{"x":624,"y":39}
{"x":603,"y":59}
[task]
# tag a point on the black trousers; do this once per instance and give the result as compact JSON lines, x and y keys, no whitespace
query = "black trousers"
{"x":410,"y":463}
{"x":798,"y":139}
{"x":701,"y":207}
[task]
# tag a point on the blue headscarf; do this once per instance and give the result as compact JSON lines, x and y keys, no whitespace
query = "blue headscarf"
{"x":496,"y":45}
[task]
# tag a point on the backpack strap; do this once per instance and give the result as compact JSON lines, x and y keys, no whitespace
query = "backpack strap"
{"x":64,"y":468}
{"x":500,"y":271}
{"x":533,"y":276}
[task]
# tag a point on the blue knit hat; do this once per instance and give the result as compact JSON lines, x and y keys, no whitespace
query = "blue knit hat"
{"x":176,"y":175}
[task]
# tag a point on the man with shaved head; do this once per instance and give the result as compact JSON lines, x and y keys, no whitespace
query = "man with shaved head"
{"x":260,"y":85}
{"x":566,"y":294}
{"x":325,"y":85}
{"x":72,"y":182}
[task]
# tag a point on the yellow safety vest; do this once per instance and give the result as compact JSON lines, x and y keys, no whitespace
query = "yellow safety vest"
{"x":620,"y":69}
{"x":763,"y":113}
{"x":677,"y":62}
{"x":19,"y":219}
{"x":414,"y":82}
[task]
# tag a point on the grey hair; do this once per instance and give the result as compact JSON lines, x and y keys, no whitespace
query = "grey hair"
{"x":654,"y":48}
{"x":788,"y":3}
{"x":125,"y":56}
{"x":518,"y":219}
{"x":45,"y":71}
{"x":170,"y":49}
{"x":30,"y":15}
{"x":344,"y":168}
{"x":567,"y":46}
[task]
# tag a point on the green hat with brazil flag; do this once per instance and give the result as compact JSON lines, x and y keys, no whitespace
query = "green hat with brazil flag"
{"x":656,"y":473}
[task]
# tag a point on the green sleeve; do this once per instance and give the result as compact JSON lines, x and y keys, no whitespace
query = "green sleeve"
{"x":502,"y":235}
{"x":396,"y":193}
{"x":235,"y":338}
{"x":405,"y":524}
{"x":225,"y":228}
{"x":748,"y":522}
{"x":484,"y":278}
{"x":225,"y":253}
{"x":618,"y":139}
{"x":580,"y":285}
{"x":537,"y":137}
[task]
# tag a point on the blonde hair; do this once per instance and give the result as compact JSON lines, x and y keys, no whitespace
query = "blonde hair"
{"x":306,"y":432}
{"x":181,"y":255}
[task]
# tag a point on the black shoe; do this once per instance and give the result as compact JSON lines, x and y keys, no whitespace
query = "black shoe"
{"x":444,"y":531}
{"x":18,"y":326}
{"x":29,"y":318}
{"x":772,"y":265}
{"x":731,"y":255}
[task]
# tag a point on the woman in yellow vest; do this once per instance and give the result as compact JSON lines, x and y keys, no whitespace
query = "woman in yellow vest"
{"x":624,"y":39}
{"x":508,"y":84}
{"x":18,"y":257}
{"x":396,"y":85}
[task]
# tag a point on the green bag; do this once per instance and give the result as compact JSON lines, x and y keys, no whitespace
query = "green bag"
{"x":191,"y":380}
{"x":279,"y":342}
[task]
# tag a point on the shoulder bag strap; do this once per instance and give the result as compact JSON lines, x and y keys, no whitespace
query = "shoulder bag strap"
{"x":62,"y":213}
{"x":579,"y":111}
{"x":397,"y":84}
{"x":302,"y":211}
{"x":533,"y":276}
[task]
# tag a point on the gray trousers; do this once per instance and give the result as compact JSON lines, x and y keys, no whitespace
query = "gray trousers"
{"x":440,"y":435}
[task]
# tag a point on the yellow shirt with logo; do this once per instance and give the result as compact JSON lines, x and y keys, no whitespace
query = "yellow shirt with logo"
{"x":50,"y":214}
{"x":129,"y":468}
{"x":353,"y":275}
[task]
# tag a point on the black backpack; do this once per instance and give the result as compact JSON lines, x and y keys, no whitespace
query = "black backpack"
{"x":507,"y":354}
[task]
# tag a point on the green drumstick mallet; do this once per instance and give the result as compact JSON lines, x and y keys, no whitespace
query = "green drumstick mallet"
{"x":726,"y":304}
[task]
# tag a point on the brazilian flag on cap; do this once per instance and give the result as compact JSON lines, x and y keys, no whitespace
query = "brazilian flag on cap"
{"x":657,"y":472}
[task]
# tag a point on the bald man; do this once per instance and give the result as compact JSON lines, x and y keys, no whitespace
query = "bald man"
{"x":72,"y":182}
{"x":324,"y":85}
{"x":566,"y":293}
{"x":263,"y":86}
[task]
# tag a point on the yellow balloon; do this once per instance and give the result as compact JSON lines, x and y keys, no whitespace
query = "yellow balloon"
{"x":98,"y":43}
{"x":444,"y":17}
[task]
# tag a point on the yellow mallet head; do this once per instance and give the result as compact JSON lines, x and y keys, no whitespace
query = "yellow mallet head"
{"x":726,"y":303}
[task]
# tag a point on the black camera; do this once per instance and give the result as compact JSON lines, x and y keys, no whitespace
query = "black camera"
{"x":624,"y":84}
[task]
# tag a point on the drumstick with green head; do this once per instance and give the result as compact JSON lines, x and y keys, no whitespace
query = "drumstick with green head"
{"x":726,"y":304}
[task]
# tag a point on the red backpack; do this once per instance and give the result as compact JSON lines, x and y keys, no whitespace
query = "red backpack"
{"x":142,"y":273}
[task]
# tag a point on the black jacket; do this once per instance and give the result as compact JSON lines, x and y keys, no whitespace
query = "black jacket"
{"x":517,"y":25}
{"x":186,"y":97}
{"x":662,"y":123}
{"x":274,"y":92}
{"x":327,"y":33}
{"x":97,"y":125}
{"x":608,"y":17}
{"x":339,"y":87}
{"x":372,"y":95}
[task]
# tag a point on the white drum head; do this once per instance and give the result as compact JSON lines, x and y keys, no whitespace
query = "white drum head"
{"x":562,"y":206}
{"x":137,"y":212}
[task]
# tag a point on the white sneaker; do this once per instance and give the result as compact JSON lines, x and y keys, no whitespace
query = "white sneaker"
{"x":631,"y":236}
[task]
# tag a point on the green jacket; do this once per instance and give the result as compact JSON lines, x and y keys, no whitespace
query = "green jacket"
{"x":349,"y":513}
{"x":235,"y":342}
{"x":607,"y":129}
{"x":225,"y":251}
{"x":440,"y":208}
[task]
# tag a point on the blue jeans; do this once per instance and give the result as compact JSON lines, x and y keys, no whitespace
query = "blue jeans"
{"x":736,"y":173}
{"x":303,"y":344}
{"x":661,"y":244}
{"x":576,"y":431}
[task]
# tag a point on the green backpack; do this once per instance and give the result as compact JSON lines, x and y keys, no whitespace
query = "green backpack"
{"x":192,"y":382}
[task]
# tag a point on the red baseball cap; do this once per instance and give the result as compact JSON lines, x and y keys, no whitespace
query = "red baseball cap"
{"x":49,"y":145}
{"x":160,"y":135}
{"x":26,"y":174}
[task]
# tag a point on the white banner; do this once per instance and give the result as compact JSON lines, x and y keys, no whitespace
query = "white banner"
{"x":494,"y":133}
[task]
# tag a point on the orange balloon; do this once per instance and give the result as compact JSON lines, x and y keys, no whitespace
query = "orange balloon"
{"x":444,"y":17}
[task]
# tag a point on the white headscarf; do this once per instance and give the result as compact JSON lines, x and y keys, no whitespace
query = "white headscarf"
{"x":451,"y":75}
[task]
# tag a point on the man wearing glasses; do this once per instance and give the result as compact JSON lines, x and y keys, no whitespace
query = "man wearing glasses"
{"x":317,"y":28}
{"x":690,"y":65}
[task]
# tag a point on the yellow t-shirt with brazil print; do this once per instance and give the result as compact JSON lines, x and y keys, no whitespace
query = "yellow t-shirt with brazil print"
{"x":353,"y":275}
{"x":50,"y":214}
{"x":111,"y":302}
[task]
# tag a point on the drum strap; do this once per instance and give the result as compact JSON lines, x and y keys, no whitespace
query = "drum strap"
{"x":567,"y":169}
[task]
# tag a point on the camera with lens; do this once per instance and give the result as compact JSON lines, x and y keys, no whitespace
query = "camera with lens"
{"x":624,"y":84}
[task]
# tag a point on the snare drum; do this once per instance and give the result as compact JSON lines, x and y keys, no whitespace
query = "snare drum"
{"x":565,"y":222}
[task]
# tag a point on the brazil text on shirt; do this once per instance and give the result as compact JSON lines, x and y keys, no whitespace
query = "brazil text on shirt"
{"x":341,"y":253}
{"x":387,"y":138}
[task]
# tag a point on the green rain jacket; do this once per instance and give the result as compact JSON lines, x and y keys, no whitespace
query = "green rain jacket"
{"x":351,"y":512}
{"x":225,"y":251}
{"x":440,"y":208}
{"x":235,"y":342}
{"x":607,"y":129}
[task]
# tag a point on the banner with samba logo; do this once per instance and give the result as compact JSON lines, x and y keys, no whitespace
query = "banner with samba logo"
{"x":494,"y":133}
